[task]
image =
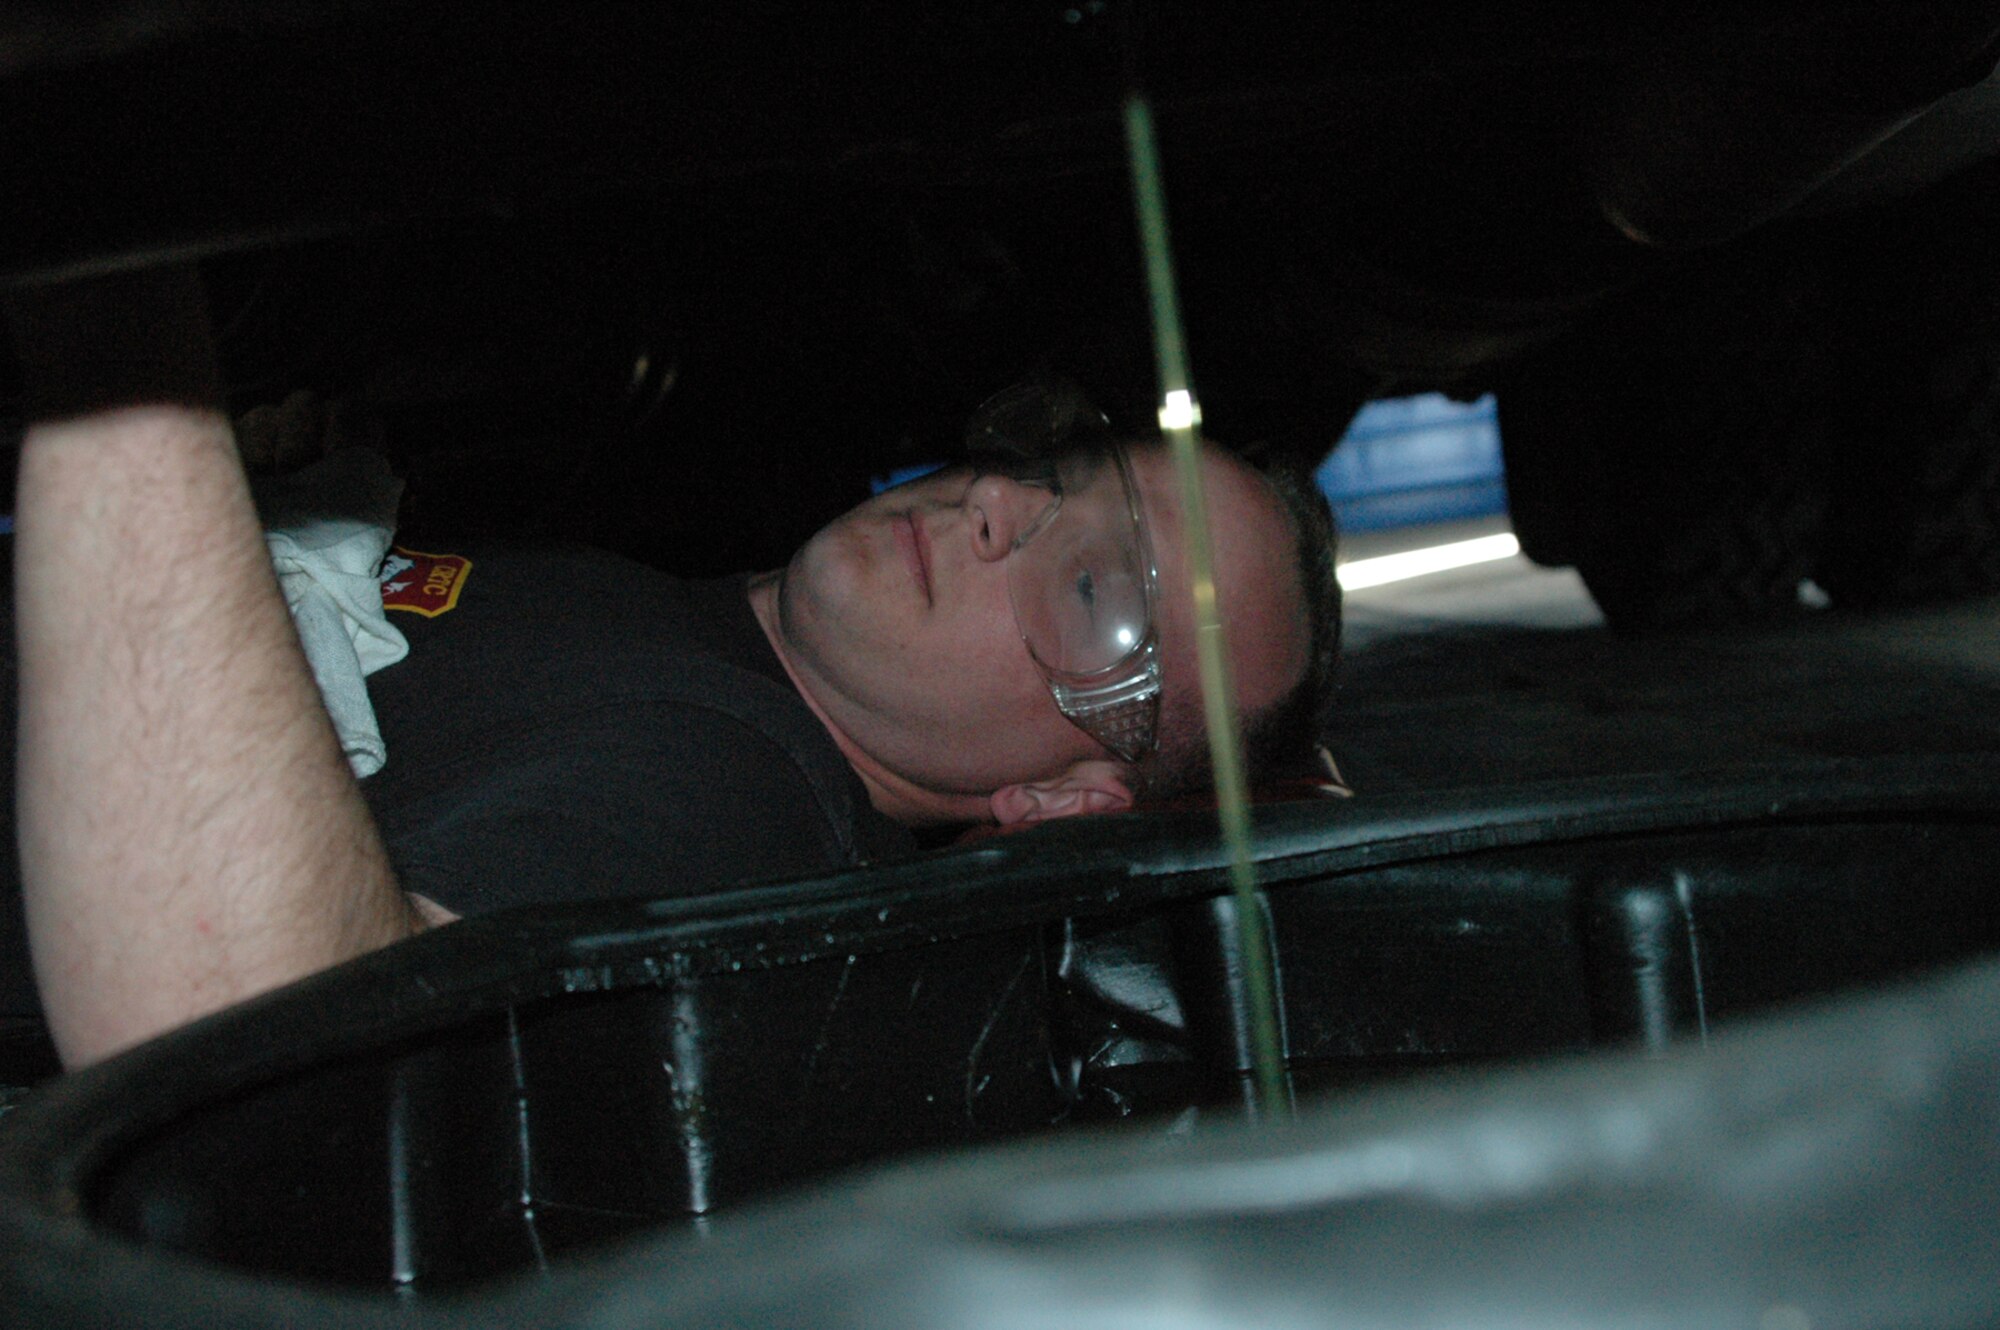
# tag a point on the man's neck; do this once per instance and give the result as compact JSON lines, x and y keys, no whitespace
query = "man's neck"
{"x":892,"y":795}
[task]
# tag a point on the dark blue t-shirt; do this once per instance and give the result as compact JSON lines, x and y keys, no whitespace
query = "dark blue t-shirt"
{"x":578,"y":725}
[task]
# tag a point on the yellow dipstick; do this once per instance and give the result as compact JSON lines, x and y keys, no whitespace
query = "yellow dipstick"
{"x":1180,"y":421}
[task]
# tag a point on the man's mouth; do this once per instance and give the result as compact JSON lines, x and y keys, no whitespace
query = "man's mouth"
{"x":916,"y":548}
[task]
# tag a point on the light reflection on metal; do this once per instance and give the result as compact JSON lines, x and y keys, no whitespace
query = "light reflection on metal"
{"x":1179,"y":412}
{"x":1180,"y":416}
{"x":1385,"y":569}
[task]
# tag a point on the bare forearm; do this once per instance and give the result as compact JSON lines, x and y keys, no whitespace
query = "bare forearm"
{"x":190,"y":834}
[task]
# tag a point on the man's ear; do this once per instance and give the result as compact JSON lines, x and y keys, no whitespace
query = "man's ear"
{"x":1093,"y":786}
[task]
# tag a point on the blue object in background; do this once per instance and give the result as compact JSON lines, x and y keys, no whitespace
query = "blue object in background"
{"x":1406,"y":461}
{"x":901,"y":474}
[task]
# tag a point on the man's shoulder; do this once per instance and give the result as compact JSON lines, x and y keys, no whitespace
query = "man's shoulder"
{"x":474,"y":580}
{"x":498,"y":608}
{"x":536,"y":636}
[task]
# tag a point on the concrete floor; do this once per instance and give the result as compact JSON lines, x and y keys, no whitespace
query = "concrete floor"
{"x":1505,"y":672}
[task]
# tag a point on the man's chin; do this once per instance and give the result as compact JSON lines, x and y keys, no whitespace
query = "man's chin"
{"x":823,"y":604}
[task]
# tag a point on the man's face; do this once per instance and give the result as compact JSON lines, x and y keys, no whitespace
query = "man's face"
{"x":897,"y":620}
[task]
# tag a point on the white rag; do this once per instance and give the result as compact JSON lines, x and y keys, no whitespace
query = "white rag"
{"x":328,"y":527}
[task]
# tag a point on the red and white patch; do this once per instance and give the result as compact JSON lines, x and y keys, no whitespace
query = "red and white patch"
{"x":426,"y":584}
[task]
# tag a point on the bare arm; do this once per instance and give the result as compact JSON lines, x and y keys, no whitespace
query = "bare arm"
{"x":190,"y":834}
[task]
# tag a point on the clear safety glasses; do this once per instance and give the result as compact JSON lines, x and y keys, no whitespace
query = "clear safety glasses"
{"x":1081,"y":575}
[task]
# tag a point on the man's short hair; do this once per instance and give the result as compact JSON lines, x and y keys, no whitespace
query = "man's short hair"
{"x":1282,"y":740}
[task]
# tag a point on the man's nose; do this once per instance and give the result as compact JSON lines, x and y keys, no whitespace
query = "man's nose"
{"x":999,"y":511}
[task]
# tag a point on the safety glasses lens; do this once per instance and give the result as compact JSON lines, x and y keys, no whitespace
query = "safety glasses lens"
{"x":1079,"y":586}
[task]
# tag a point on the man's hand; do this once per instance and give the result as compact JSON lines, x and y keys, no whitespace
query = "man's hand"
{"x":291,"y":435}
{"x":190,"y":834}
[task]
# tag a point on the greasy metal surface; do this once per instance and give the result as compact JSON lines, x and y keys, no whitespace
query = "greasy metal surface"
{"x":450,"y":1114}
{"x":1645,"y":957}
{"x":1832,"y":1168}
{"x":511,"y":1141}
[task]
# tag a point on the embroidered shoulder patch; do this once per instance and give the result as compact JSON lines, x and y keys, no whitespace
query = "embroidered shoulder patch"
{"x":426,"y":584}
